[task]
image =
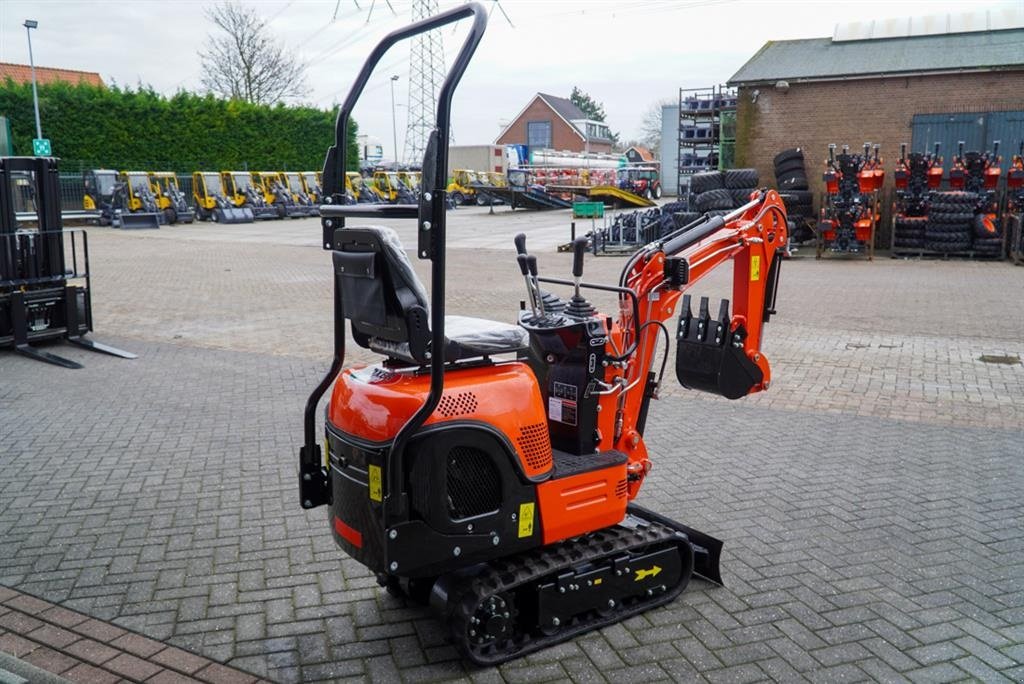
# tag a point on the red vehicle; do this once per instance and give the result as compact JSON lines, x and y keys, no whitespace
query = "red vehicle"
{"x":644,"y":181}
{"x":490,"y":469}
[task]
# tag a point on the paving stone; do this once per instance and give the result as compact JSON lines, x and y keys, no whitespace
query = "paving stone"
{"x":91,"y":651}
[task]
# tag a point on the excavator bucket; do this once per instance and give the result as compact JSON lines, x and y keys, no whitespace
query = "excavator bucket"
{"x":233,"y":215}
{"x":138,"y":220}
{"x":710,"y":356}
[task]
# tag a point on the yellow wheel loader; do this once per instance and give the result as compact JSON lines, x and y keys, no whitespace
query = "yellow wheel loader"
{"x":212,"y":203}
{"x":311,"y":184}
{"x":169,"y":197}
{"x":142,"y":208}
{"x":389,"y":188}
{"x":297,"y":188}
{"x":459,"y":189}
{"x":242,"y":191}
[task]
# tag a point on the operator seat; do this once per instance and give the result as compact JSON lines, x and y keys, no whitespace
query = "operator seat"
{"x":389,"y":308}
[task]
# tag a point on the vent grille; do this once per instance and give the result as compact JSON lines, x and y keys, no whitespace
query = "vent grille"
{"x":473,"y":483}
{"x":535,"y":445}
{"x":457,"y":404}
{"x":621,"y":489}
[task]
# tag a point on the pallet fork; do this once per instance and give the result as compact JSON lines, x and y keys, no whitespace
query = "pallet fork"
{"x":42,"y":295}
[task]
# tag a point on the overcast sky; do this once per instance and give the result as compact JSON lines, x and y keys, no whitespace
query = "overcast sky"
{"x":628,"y":54}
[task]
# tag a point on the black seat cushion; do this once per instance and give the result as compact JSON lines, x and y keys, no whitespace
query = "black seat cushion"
{"x":465,"y":337}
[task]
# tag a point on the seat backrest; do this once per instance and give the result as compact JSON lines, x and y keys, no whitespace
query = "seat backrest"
{"x":381,"y":294}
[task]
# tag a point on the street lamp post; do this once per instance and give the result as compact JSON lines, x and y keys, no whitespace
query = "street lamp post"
{"x":29,"y":25}
{"x":394,"y":127}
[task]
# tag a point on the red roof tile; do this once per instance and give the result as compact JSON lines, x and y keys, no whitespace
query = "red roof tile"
{"x":22,"y":73}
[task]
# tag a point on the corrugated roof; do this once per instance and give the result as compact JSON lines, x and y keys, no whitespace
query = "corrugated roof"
{"x":564,"y":106}
{"x":22,"y":73}
{"x":825,"y":59}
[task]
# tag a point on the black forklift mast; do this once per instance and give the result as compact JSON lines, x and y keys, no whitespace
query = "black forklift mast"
{"x":37,"y":298}
{"x":314,"y":487}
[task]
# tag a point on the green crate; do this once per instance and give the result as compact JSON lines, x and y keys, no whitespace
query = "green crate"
{"x":588,"y":210}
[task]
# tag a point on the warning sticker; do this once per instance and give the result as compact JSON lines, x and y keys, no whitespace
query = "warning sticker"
{"x":376,"y":491}
{"x":755,"y":268}
{"x":562,"y":410}
{"x":564,"y":390}
{"x":525,"y":519}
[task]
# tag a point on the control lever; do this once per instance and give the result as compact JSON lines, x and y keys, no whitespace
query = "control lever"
{"x":579,"y":248}
{"x":520,"y":241}
{"x":903,"y":152}
{"x":522,"y":258}
{"x":531,"y":265}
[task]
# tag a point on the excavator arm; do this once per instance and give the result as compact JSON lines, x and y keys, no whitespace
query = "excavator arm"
{"x":718,"y":349}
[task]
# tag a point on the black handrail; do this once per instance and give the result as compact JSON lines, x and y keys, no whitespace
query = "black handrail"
{"x":432,"y":223}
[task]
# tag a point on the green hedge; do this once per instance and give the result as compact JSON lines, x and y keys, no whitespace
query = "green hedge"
{"x":122,"y":129}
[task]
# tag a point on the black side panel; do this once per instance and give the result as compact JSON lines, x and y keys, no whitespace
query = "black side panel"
{"x":467,"y":502}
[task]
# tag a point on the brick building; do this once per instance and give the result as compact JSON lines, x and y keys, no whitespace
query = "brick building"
{"x":900,"y":82}
{"x":550,"y":122}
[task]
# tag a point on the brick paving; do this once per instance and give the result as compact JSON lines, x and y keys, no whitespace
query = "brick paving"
{"x":870,"y":502}
{"x":82,"y":649}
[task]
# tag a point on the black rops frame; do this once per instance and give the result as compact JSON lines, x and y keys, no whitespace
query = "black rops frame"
{"x":314,"y":488}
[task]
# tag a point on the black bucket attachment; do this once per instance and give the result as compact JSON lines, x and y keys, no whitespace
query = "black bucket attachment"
{"x":265,"y":212}
{"x":129,"y":220}
{"x":709,"y":356}
{"x":233,"y":215}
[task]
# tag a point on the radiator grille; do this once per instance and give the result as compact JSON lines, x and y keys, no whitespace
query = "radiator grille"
{"x":621,"y":489}
{"x":457,"y":404}
{"x":473,"y":484}
{"x":535,"y":445}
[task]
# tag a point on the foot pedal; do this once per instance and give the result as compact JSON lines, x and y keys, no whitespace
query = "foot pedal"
{"x":709,"y":356}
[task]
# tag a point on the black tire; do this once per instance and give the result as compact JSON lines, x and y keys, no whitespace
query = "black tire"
{"x":910,"y":243}
{"x":673,"y":207}
{"x":798,"y":197}
{"x":981,"y":231}
{"x":795,"y":181}
{"x":458,"y":198}
{"x":793,"y":166}
{"x":961,"y":246}
{"x":741,"y":178}
{"x":740,"y":196}
{"x":944,"y":216}
{"x":787,"y":155}
{"x":657,"y":191}
{"x":713,"y":199}
{"x":709,"y":180}
{"x":684,"y":218}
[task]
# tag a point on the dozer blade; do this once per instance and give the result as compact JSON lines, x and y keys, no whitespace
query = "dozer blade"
{"x":233,"y":215}
{"x":140,"y":220}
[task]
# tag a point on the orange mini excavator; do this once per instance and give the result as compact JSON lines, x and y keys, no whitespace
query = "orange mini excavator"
{"x":488,"y":469}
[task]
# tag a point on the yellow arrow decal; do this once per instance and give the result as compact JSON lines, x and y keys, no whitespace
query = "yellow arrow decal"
{"x":650,"y":572}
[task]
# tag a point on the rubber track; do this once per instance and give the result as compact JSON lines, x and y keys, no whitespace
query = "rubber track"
{"x":507,"y":574}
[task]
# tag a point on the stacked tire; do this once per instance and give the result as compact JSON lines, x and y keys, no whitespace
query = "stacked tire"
{"x":909,"y":232}
{"x":790,"y":173}
{"x":722,"y":191}
{"x":950,"y":221}
{"x":985,"y":243}
{"x":791,"y":180}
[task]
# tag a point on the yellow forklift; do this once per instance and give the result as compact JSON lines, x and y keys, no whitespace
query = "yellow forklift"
{"x":242,"y":191}
{"x":169,"y":197}
{"x":212,"y":203}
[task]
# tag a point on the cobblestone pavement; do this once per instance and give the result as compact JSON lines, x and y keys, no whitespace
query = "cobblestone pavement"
{"x":870,"y":502}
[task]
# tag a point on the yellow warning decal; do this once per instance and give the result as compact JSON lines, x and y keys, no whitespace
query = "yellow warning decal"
{"x":649,"y":572}
{"x":327,"y":453}
{"x":376,"y":491}
{"x":525,"y":519}
{"x":755,"y":268}
{"x":598,"y":581}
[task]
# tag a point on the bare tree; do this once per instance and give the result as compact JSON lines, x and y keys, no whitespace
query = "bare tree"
{"x":243,"y":60}
{"x":650,"y":126}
